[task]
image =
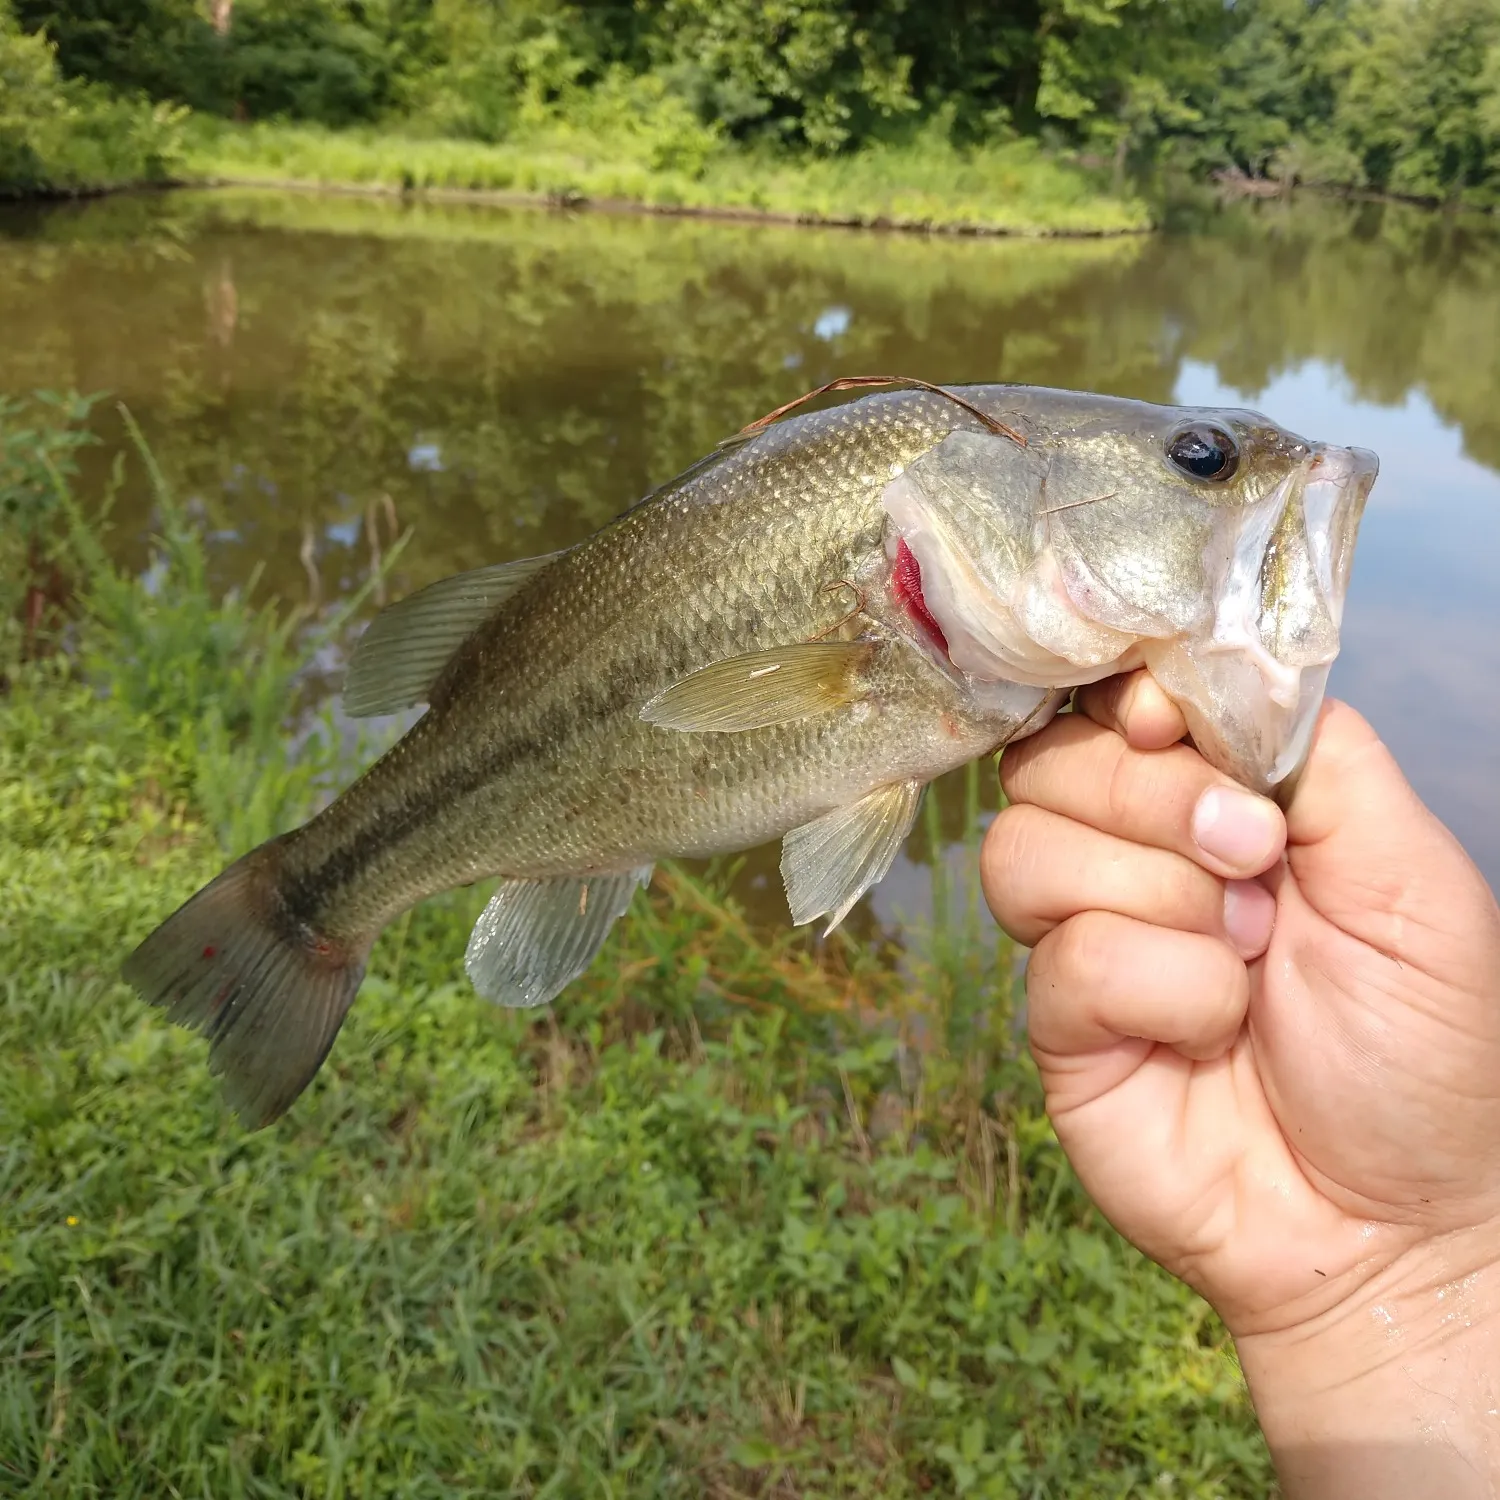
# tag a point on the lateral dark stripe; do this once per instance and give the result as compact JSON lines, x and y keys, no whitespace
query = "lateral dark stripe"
{"x":308,"y":893}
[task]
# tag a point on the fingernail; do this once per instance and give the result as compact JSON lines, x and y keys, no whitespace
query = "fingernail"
{"x":1237,"y":828}
{"x":1249,"y":916}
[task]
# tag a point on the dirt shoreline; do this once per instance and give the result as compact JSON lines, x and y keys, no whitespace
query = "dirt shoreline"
{"x":508,"y":198}
{"x":1229,"y":186}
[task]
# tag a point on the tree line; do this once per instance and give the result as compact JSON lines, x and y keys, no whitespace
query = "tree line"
{"x":1401,"y":96}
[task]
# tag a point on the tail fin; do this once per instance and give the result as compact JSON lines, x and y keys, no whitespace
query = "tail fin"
{"x":269,"y":993}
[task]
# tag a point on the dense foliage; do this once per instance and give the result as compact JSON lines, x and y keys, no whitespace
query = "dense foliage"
{"x":66,"y":134}
{"x":1402,"y":95}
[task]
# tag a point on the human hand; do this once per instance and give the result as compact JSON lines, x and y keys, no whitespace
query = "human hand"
{"x":1270,"y":1046}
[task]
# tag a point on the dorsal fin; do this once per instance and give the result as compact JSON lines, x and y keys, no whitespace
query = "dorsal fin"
{"x":396,"y":661}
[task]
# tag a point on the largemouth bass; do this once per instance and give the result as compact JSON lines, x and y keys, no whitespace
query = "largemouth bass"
{"x":789,"y":640}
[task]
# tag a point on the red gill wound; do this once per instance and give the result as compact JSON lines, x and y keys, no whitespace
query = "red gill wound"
{"x":906,"y":580}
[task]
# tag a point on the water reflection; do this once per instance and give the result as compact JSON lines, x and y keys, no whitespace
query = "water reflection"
{"x":320,"y":375}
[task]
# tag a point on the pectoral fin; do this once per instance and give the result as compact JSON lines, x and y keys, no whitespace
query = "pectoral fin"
{"x":537,"y":936}
{"x":763,"y":688}
{"x":828,"y":864}
{"x":408,"y":644}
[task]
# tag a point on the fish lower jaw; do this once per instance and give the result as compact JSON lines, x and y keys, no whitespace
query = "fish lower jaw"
{"x":1283,"y":683}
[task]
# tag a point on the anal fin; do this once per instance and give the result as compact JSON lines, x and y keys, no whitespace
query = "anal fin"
{"x":537,"y":936}
{"x":406,"y":646}
{"x":828,"y":864}
{"x":763,"y":688}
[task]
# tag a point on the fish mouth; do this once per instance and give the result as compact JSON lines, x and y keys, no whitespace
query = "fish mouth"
{"x":1251,"y":686}
{"x":1249,"y":673}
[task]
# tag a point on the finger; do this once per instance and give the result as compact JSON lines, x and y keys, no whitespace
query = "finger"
{"x":1374,"y":860}
{"x":1167,"y":799}
{"x":1101,"y":977}
{"x":1136,"y":708}
{"x":1039,"y":869}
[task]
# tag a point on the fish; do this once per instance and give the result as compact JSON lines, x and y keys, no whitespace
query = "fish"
{"x":789,"y":641}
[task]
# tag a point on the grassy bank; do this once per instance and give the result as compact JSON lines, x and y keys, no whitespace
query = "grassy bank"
{"x":64,"y":136}
{"x":637,"y":147}
{"x":1014,"y":188}
{"x":715,"y":1225}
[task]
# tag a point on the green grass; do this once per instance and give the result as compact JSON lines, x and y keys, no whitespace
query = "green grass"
{"x":1013,"y":188}
{"x":732,"y":1219}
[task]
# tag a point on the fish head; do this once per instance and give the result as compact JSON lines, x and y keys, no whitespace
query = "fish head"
{"x":1210,"y":545}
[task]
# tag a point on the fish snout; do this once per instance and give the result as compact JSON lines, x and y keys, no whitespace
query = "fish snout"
{"x":1354,"y":466}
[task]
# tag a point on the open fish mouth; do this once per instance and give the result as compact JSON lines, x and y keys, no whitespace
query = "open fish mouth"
{"x":1242,"y":638}
{"x":1252,"y":687}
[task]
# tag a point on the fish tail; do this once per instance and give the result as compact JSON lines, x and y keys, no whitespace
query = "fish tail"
{"x":268,"y":991}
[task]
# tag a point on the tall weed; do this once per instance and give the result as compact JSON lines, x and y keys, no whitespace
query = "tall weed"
{"x":40,"y":437}
{"x":221,"y":677}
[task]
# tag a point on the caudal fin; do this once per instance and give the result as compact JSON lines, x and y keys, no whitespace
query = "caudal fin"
{"x":269,"y":994}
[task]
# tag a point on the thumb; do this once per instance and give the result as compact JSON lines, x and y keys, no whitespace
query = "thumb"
{"x":1370,"y":857}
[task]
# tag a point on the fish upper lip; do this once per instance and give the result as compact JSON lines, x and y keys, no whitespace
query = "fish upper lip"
{"x":1343,"y":465}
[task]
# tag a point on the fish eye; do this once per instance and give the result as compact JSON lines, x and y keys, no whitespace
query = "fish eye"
{"x":1204,"y":452}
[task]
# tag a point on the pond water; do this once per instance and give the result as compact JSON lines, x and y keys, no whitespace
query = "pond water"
{"x":321,"y":373}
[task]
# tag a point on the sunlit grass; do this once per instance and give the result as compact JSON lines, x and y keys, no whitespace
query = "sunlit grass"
{"x":1010,"y":188}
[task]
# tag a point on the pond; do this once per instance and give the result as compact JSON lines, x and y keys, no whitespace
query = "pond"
{"x":320,"y":374}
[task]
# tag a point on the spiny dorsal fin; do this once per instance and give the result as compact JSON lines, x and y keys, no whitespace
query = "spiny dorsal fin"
{"x":537,"y":936}
{"x":763,"y":688}
{"x":828,"y":864}
{"x":408,"y":644}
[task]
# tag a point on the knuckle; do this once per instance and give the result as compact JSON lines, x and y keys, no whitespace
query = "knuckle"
{"x":1015,"y":869}
{"x":1048,"y":982}
{"x":998,"y":849}
{"x":1080,"y":952}
{"x":1015,"y":762}
{"x":1007,"y":855}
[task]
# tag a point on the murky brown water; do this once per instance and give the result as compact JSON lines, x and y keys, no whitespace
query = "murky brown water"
{"x":319,"y":374}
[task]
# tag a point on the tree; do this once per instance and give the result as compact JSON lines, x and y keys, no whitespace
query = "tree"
{"x":1125,"y":72}
{"x":1417,"y":94}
